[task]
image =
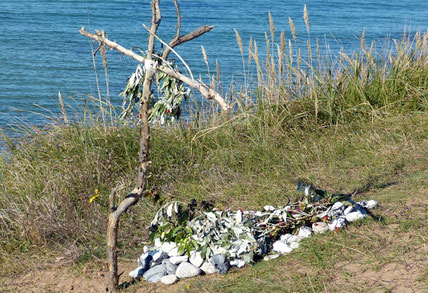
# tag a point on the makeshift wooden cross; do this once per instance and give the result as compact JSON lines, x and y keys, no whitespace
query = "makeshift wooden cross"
{"x":151,"y":66}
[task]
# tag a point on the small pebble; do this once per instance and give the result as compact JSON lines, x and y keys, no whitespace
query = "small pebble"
{"x":270,"y":257}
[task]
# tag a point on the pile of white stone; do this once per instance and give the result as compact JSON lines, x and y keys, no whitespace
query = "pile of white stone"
{"x":163,"y":262}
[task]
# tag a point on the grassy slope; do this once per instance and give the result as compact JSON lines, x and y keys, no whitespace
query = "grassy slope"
{"x":387,"y":160}
{"x":365,"y":130}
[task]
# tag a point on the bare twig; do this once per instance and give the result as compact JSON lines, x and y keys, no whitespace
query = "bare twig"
{"x":188,"y":37}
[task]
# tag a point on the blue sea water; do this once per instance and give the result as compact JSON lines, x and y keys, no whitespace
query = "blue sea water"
{"x":42,"y":52}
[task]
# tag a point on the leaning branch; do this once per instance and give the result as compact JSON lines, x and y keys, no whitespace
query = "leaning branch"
{"x":203,"y":89}
{"x":187,"y":37}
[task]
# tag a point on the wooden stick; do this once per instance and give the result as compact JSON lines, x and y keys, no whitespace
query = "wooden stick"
{"x":204,"y":90}
{"x":143,"y":154}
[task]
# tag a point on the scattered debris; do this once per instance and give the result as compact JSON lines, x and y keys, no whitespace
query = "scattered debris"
{"x":192,"y":240}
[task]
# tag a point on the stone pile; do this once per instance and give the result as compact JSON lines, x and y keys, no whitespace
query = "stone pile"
{"x":163,"y":262}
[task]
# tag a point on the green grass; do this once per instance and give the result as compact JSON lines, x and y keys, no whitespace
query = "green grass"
{"x":364,"y":129}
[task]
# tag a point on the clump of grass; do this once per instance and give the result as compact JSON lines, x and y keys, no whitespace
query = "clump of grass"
{"x":344,"y":124}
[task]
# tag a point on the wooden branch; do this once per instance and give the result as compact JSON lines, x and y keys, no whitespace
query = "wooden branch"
{"x":143,"y":154}
{"x":188,"y":37}
{"x":204,"y":90}
{"x":178,"y":27}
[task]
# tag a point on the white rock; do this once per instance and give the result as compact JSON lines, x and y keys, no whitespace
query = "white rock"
{"x":147,"y":248}
{"x":143,"y":259}
{"x":348,"y":210}
{"x":294,"y":245}
{"x":179,"y":259}
{"x":288,"y":238}
{"x":268,"y":208}
{"x":237,"y":263}
{"x":369,"y":204}
{"x":270,"y":257}
{"x":169,"y":279}
{"x":158,"y":257}
{"x":168,"y":246}
{"x":158,"y":243}
{"x":337,"y":223}
{"x":319,"y":227}
{"x":135,"y":273}
{"x":281,"y":247}
{"x":304,"y":232}
{"x":337,"y":209}
{"x":174,"y":252}
{"x":196,"y":258}
{"x":208,"y":268}
{"x":187,"y":270}
{"x":354,"y":216}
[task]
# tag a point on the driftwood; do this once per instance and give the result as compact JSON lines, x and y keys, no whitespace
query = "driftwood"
{"x":151,"y":67}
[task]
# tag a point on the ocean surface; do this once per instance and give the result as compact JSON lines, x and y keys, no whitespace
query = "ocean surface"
{"x":42,"y":52}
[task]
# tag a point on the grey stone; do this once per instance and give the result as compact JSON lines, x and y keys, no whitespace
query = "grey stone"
{"x":155,"y":273}
{"x":220,"y":262}
{"x":169,"y":279}
{"x":187,"y":270}
{"x":178,"y":259}
{"x":170,"y":267}
{"x":196,"y":258}
{"x":158,"y":257}
{"x":208,"y":268}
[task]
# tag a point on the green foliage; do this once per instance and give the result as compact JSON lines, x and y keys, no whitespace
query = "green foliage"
{"x":166,"y":106}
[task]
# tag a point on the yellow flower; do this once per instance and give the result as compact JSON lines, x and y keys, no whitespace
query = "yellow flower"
{"x":95,"y":196}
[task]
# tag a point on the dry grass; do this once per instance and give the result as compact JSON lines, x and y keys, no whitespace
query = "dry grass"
{"x":345,"y":123}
